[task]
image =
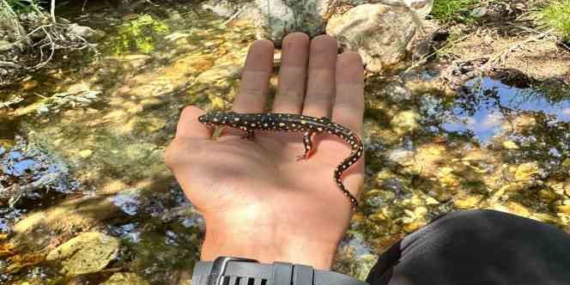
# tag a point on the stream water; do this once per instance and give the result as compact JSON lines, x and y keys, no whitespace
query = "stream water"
{"x":91,"y":136}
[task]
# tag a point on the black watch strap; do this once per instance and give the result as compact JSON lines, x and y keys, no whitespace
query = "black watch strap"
{"x":240,"y":271}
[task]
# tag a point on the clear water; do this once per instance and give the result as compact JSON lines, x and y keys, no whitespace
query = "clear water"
{"x":497,"y":103}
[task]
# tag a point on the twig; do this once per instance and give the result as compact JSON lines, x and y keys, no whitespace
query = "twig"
{"x":9,"y":64}
{"x":234,"y":15}
{"x":52,"y":11}
{"x":52,"y":43}
{"x":27,"y":35}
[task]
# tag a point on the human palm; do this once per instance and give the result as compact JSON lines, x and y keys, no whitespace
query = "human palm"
{"x":257,"y":187}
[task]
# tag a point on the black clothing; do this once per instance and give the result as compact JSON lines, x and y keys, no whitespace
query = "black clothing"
{"x":477,"y":248}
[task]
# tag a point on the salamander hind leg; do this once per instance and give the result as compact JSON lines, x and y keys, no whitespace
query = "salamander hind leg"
{"x":248,"y":134}
{"x":307,"y":144}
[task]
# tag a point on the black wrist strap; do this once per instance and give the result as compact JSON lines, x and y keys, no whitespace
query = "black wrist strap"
{"x":238,"y":271}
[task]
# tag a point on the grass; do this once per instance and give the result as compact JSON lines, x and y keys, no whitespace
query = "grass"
{"x":447,"y":11}
{"x":556,"y":16}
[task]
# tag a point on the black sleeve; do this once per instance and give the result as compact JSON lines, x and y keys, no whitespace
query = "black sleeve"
{"x":477,"y":248}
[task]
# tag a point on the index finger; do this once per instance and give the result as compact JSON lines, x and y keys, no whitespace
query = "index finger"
{"x":348,"y":108}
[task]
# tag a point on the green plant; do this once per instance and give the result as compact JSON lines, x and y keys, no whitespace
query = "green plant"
{"x":25,"y":6}
{"x":556,"y":16}
{"x":448,"y":11}
{"x":140,"y":34}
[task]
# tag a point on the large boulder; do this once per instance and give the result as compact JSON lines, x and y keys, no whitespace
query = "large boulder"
{"x":276,"y":18}
{"x":380,"y":33}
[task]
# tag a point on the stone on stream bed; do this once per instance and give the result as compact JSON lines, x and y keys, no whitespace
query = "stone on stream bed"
{"x":124,"y":279}
{"x":86,"y":253}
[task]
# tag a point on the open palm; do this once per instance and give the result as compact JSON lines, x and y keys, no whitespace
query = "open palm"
{"x":257,"y":188}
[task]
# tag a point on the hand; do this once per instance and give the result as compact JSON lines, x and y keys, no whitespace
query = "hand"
{"x":257,"y":199}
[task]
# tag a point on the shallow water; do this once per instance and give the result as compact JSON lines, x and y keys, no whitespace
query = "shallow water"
{"x":486,"y":145}
{"x":497,"y":102}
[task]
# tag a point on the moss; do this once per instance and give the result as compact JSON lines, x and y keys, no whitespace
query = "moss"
{"x":448,"y":11}
{"x":556,"y":16}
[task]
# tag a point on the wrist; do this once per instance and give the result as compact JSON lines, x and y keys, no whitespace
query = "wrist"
{"x":267,"y":243}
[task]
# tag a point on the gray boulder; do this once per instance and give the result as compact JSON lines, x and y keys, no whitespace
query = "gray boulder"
{"x":379,"y":33}
{"x":276,"y":18}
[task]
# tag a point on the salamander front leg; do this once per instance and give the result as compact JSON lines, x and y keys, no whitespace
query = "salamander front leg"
{"x":248,"y":134}
{"x":307,"y":144}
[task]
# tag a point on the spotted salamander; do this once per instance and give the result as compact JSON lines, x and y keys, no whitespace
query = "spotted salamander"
{"x":310,"y":126}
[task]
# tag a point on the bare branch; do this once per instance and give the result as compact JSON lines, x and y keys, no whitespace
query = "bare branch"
{"x":52,"y":11}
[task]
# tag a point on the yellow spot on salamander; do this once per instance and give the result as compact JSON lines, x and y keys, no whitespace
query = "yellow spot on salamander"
{"x":303,"y":122}
{"x":282,"y":124}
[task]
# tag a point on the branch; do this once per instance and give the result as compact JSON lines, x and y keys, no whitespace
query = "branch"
{"x":9,"y":64}
{"x":52,"y":11}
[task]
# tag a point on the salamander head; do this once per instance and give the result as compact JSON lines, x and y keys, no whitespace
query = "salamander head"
{"x":213,"y":118}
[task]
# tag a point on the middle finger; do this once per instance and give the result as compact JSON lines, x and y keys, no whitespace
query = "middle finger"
{"x":321,"y":83}
{"x":292,"y":74}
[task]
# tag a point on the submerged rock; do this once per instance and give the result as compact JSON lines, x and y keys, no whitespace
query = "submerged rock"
{"x":86,"y":253}
{"x":405,"y":122}
{"x":527,"y":171}
{"x":125,"y":279}
{"x":379,"y":33}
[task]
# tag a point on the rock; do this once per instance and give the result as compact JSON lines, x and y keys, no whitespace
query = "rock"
{"x":518,"y":209}
{"x":510,"y":145}
{"x":421,"y":7}
{"x":479,"y":12}
{"x":219,"y":74}
{"x":88,"y":252}
{"x":276,"y":18}
{"x":125,"y":279}
{"x":405,"y":122}
{"x":464,"y":202}
{"x":527,"y":171}
{"x":447,"y":179}
{"x":395,"y":91}
{"x":5,"y":45}
{"x":224,"y":9}
{"x":547,"y":196}
{"x":566,"y":164}
{"x":84,"y":32}
{"x":379,"y":33}
{"x":86,"y":153}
